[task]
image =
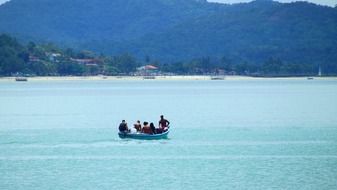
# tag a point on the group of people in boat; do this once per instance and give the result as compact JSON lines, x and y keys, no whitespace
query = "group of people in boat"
{"x":146,"y":128}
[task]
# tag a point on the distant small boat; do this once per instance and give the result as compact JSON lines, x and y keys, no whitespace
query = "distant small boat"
{"x":21,"y":79}
{"x":217,"y":78}
{"x":149,"y":77}
{"x":144,"y":136}
{"x":310,"y":78}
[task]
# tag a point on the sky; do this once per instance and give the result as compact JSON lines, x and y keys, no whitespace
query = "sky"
{"x":322,"y":2}
{"x":2,"y":1}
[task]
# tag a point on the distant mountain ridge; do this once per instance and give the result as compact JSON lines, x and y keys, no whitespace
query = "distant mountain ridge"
{"x":172,"y":30}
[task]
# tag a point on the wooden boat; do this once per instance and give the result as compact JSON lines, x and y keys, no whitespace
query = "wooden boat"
{"x":144,"y":136}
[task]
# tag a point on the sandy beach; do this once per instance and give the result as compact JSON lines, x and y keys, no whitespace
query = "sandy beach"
{"x":175,"y":77}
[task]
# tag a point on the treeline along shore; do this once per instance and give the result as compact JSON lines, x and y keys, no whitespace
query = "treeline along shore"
{"x":32,"y":59}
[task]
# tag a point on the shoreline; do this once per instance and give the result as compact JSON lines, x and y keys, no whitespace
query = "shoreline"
{"x":159,"y":78}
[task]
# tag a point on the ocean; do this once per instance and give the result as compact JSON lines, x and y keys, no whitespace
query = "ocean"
{"x":231,"y":134}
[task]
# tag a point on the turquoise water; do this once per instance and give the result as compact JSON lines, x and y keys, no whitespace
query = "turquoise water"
{"x":247,"y":134}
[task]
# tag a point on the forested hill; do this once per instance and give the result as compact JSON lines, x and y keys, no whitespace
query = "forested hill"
{"x":171,"y":30}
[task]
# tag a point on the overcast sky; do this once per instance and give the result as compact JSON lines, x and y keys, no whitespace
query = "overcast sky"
{"x":322,"y":2}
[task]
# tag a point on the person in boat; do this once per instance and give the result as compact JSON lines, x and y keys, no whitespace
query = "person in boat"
{"x":153,"y":128}
{"x":163,"y":124}
{"x":138,"y":126}
{"x":146,"y":128}
{"x":123,"y":127}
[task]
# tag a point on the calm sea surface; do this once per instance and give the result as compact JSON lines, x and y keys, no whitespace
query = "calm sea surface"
{"x":247,"y":134}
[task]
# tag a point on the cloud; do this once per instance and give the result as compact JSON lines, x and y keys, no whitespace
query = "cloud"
{"x":3,"y":1}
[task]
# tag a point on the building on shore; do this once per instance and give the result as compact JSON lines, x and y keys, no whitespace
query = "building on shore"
{"x":147,"y":70}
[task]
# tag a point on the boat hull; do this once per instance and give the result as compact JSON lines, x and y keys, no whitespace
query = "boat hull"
{"x":21,"y":79}
{"x":143,"y":136}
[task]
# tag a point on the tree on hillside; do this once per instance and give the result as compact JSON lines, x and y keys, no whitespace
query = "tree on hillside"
{"x":125,"y":63}
{"x":272,"y":66}
{"x":85,"y":54}
{"x":226,"y":64}
{"x":69,"y":52}
{"x":69,"y":68}
{"x":31,"y":46}
{"x":11,"y":55}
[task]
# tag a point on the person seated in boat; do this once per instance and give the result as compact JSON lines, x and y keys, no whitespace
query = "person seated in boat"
{"x":138,"y":126}
{"x":146,"y":128}
{"x":123,"y":127}
{"x":163,"y":124}
{"x":153,"y":128}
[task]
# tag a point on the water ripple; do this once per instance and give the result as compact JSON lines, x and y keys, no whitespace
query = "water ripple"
{"x":134,"y":143}
{"x":224,"y":157}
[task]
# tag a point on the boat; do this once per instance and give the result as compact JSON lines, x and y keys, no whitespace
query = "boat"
{"x":149,"y":77}
{"x":21,"y":79}
{"x":218,"y":77}
{"x":144,"y":136}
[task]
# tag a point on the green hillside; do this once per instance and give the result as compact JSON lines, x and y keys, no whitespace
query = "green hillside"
{"x":180,"y":30}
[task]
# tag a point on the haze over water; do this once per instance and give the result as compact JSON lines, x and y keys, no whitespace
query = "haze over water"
{"x":232,"y":134}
